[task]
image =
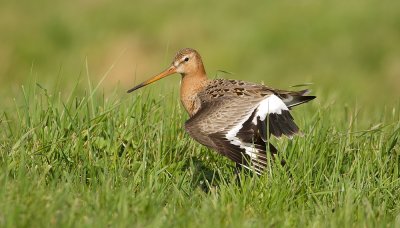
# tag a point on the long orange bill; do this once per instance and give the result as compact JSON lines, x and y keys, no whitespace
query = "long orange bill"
{"x":163,"y":74}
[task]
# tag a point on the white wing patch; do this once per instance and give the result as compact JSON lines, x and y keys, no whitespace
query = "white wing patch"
{"x":271,"y":104}
{"x":231,"y":134}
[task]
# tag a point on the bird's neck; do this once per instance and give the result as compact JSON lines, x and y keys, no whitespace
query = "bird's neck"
{"x":191,"y":85}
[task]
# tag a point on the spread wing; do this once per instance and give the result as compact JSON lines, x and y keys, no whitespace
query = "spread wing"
{"x":237,"y":124}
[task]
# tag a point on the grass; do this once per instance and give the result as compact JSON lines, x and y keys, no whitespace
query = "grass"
{"x":86,"y":160}
{"x":72,"y":155}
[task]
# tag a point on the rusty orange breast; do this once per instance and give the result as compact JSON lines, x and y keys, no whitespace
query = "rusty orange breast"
{"x":191,"y":85}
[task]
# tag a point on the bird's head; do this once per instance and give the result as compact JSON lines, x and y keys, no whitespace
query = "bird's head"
{"x":186,"y":62}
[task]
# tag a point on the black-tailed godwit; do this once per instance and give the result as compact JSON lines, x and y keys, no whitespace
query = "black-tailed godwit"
{"x":233,"y":117}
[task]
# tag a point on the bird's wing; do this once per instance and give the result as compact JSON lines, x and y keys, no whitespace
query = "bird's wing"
{"x":223,"y":87}
{"x":214,"y":125}
{"x":233,"y":121}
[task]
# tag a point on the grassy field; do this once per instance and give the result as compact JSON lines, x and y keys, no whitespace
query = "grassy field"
{"x":93,"y":161}
{"x":77,"y":151}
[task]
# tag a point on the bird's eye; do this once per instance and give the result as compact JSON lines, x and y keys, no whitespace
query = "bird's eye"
{"x":186,"y":59}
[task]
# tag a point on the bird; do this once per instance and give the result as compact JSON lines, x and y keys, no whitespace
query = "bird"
{"x":233,"y":117}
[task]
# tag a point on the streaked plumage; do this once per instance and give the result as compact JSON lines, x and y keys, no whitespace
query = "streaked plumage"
{"x":233,"y":117}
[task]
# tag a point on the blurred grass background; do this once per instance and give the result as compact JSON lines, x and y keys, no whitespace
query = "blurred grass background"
{"x":350,"y":50}
{"x":80,"y":158}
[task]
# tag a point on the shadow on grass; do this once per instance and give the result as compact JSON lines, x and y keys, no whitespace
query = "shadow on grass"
{"x":208,"y":179}
{"x":204,"y":177}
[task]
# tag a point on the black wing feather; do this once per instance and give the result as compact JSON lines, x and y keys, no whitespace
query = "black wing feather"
{"x":220,"y":114}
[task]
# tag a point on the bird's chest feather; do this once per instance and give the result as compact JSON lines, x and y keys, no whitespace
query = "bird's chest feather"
{"x":190,"y":88}
{"x":191,"y":102}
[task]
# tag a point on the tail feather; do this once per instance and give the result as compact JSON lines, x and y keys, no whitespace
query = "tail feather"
{"x":294,"y":98}
{"x":298,"y":100}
